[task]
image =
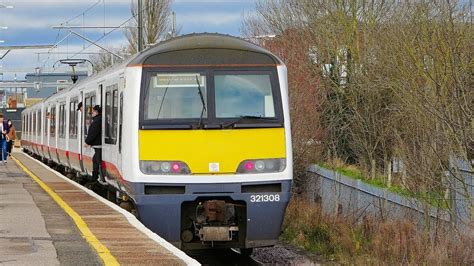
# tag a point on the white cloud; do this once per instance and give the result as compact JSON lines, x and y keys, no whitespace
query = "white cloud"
{"x":209,"y":18}
{"x":55,"y":3}
{"x":14,"y":21}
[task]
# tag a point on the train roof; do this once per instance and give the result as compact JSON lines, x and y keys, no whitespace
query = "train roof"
{"x":236,"y":50}
{"x":191,"y":49}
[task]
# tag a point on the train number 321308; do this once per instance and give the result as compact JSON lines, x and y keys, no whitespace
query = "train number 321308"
{"x":265,"y":198}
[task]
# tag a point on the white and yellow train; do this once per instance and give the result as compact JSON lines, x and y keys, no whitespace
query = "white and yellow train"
{"x":196,"y":137}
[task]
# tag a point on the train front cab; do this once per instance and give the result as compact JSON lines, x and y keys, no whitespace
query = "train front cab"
{"x":214,"y":148}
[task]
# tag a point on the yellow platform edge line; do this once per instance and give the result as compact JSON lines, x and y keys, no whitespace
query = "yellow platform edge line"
{"x":101,"y":249}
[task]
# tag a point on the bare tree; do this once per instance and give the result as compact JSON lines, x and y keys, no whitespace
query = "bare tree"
{"x":156,"y":22}
{"x":156,"y":16}
{"x":395,"y":80}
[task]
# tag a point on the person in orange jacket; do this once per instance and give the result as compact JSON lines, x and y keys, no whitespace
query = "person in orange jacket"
{"x":11,"y":137}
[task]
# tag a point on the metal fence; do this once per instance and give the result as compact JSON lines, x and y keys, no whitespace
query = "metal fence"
{"x":341,"y":195}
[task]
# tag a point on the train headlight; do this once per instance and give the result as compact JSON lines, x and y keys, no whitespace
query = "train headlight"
{"x":262,"y":166}
{"x":259,"y":165}
{"x":164,"y":168}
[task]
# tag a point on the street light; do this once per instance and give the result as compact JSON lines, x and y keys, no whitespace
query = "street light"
{"x":3,"y":28}
{"x":5,"y":6}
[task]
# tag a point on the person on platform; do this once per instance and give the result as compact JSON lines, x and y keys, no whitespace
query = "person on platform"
{"x":4,"y":130}
{"x":94,"y":140}
{"x":11,"y":137}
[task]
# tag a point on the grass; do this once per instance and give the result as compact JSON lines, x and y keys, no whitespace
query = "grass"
{"x":434,"y":198}
{"x":371,"y":241}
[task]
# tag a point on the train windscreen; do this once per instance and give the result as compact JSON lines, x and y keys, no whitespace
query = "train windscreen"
{"x":225,"y":98}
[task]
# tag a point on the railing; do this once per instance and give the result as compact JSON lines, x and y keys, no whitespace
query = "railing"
{"x":352,"y":198}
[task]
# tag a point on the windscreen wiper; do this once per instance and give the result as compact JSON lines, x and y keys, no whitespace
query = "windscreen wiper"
{"x":202,"y":101}
{"x":249,"y":117}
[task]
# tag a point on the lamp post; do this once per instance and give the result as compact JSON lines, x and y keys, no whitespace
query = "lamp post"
{"x":5,"y":6}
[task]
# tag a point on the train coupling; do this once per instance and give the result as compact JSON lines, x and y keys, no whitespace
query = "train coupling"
{"x":217,"y":233}
{"x":215,"y":221}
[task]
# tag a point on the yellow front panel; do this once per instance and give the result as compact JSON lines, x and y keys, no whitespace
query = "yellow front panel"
{"x":198,"y":148}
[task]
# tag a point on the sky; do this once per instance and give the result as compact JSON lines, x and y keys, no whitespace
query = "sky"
{"x":29,"y":22}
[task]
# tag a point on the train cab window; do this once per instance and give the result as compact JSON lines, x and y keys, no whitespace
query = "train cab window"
{"x":52,"y":122}
{"x":175,"y":96}
{"x":239,"y":95}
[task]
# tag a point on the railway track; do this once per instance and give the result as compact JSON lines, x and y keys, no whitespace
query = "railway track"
{"x":222,"y":257}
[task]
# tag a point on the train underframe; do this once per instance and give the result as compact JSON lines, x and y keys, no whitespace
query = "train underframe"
{"x":203,"y":216}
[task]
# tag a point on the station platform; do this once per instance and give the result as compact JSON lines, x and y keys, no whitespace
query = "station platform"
{"x":47,"y":219}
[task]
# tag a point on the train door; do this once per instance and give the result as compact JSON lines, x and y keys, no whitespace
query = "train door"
{"x":80,"y":131}
{"x":53,"y":133}
{"x":61,"y":138}
{"x":47,"y":132}
{"x":37,"y":132}
{"x":111,"y":159}
{"x":41,"y":130}
{"x":33,"y":130}
{"x":87,"y":152}
{"x":73,"y":128}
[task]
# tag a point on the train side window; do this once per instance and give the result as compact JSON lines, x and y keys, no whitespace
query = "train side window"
{"x":114,"y":115}
{"x":121,"y":122}
{"x":108,"y":117}
{"x":111,"y":114}
{"x":62,"y":120}
{"x":87,"y":114}
{"x":52,"y":122}
{"x":33,"y":123}
{"x":35,"y":128}
{"x":39,"y":123}
{"x":46,"y":117}
{"x":73,"y":119}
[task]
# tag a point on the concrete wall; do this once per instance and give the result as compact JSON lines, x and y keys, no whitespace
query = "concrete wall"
{"x":342,"y":195}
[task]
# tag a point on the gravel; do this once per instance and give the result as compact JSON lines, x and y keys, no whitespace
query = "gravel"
{"x":282,"y":255}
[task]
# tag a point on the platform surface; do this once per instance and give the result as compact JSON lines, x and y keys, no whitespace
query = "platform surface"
{"x":36,"y":230}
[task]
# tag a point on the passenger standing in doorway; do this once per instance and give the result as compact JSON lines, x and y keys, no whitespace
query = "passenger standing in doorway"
{"x":94,"y":140}
{"x":11,"y":137}
{"x":4,"y":129}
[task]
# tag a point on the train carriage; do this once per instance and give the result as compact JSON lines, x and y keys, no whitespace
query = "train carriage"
{"x":196,"y":139}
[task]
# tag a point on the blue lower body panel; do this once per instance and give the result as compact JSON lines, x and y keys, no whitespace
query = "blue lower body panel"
{"x":162,"y":210}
